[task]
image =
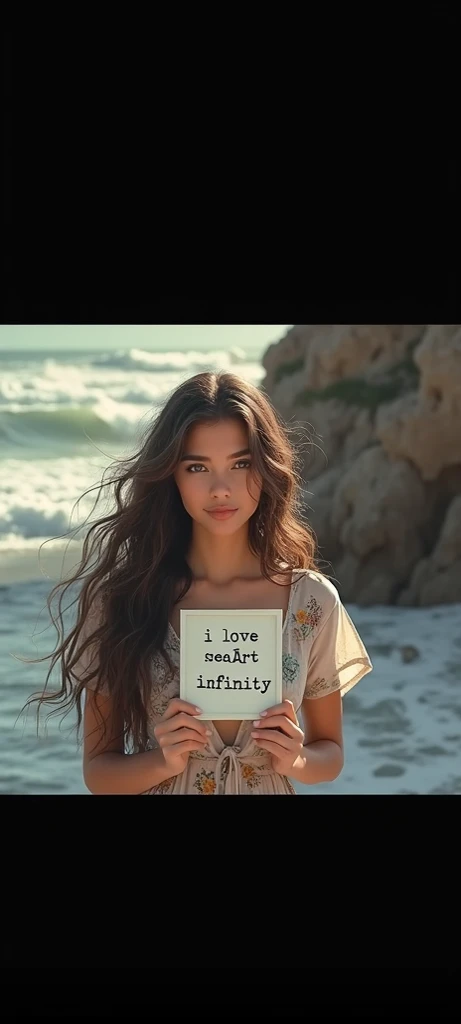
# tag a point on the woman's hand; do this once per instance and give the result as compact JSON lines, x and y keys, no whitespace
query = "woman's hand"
{"x":278,"y":732}
{"x":179,"y":732}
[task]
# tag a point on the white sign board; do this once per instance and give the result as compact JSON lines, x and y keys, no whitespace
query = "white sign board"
{"x":231,"y":661}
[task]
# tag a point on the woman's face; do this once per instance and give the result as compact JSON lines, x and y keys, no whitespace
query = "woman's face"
{"x":215,"y":473}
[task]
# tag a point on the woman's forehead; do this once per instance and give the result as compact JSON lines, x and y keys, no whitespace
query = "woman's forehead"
{"x":226,"y":433}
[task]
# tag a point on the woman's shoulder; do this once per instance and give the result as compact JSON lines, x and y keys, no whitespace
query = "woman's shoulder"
{"x":312,"y":583}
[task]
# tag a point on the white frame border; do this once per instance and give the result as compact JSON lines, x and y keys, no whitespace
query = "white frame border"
{"x":191,"y":613}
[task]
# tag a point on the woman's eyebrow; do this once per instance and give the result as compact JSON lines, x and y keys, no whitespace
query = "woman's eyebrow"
{"x":204,"y":458}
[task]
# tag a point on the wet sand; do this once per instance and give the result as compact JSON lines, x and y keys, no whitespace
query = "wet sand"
{"x":402,"y":722}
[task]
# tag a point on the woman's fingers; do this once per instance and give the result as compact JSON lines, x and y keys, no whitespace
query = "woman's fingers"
{"x":279,"y":739}
{"x":179,"y":721}
{"x":279,"y":722}
{"x":273,"y":748}
{"x":183,"y":748}
{"x":171,"y":739}
{"x":286,"y":708}
{"x":177,"y":705}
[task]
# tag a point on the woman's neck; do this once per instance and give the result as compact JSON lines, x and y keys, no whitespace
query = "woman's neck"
{"x":220,"y":560}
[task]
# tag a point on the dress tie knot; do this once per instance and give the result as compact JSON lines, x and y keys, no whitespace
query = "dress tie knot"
{"x":227,"y":771}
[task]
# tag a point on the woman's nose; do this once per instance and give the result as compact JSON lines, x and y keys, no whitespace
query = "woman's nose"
{"x":220,"y":487}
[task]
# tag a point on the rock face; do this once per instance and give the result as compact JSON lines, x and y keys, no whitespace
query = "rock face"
{"x":426,"y":427}
{"x":380,"y":408}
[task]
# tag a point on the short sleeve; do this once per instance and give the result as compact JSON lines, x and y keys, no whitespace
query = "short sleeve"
{"x":338,"y":657}
{"x":88,"y":660}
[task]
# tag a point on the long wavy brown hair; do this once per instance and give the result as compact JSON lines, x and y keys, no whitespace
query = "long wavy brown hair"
{"x":134,"y":566}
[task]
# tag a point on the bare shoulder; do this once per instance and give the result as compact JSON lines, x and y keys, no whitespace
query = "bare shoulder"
{"x":283,"y":578}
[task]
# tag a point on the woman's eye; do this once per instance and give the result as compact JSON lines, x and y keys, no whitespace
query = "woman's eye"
{"x":196,"y":467}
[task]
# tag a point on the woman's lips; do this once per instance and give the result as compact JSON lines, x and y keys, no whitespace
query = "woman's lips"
{"x":224,"y":513}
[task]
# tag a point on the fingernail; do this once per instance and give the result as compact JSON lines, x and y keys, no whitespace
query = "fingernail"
{"x":258,"y":722}
{"x":263,"y":713}
{"x":199,"y":710}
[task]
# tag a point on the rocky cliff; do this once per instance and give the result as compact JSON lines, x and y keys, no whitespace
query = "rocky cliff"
{"x":380,"y":408}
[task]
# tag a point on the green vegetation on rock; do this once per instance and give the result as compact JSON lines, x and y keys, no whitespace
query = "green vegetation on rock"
{"x":369,"y":394}
{"x":352,"y":391}
{"x":288,"y":369}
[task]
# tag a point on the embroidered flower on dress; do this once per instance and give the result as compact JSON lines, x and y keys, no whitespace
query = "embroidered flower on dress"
{"x":318,"y":686}
{"x":163,"y":787}
{"x":160,"y":700}
{"x":164,"y":686}
{"x":305,"y":620}
{"x":290,"y":666}
{"x":250,"y":775}
{"x":205,"y":783}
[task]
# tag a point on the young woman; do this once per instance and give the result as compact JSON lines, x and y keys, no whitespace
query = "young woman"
{"x":208,"y":516}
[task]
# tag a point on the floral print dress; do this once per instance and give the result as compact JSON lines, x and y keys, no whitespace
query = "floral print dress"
{"x":321,"y":652}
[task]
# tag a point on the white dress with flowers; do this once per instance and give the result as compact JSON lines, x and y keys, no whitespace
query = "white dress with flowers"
{"x":321,"y":652}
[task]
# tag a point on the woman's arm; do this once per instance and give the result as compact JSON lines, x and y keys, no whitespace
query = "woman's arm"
{"x":310,"y":757}
{"x":322,"y":757}
{"x":107,"y":770}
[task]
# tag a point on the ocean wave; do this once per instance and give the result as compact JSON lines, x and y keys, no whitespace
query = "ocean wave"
{"x":169,"y":362}
{"x":29,"y":523}
{"x":30,"y":428}
{"x":49,"y":497}
{"x":104,"y":381}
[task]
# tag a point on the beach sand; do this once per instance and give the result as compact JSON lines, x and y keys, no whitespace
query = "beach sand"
{"x":402,"y":723}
